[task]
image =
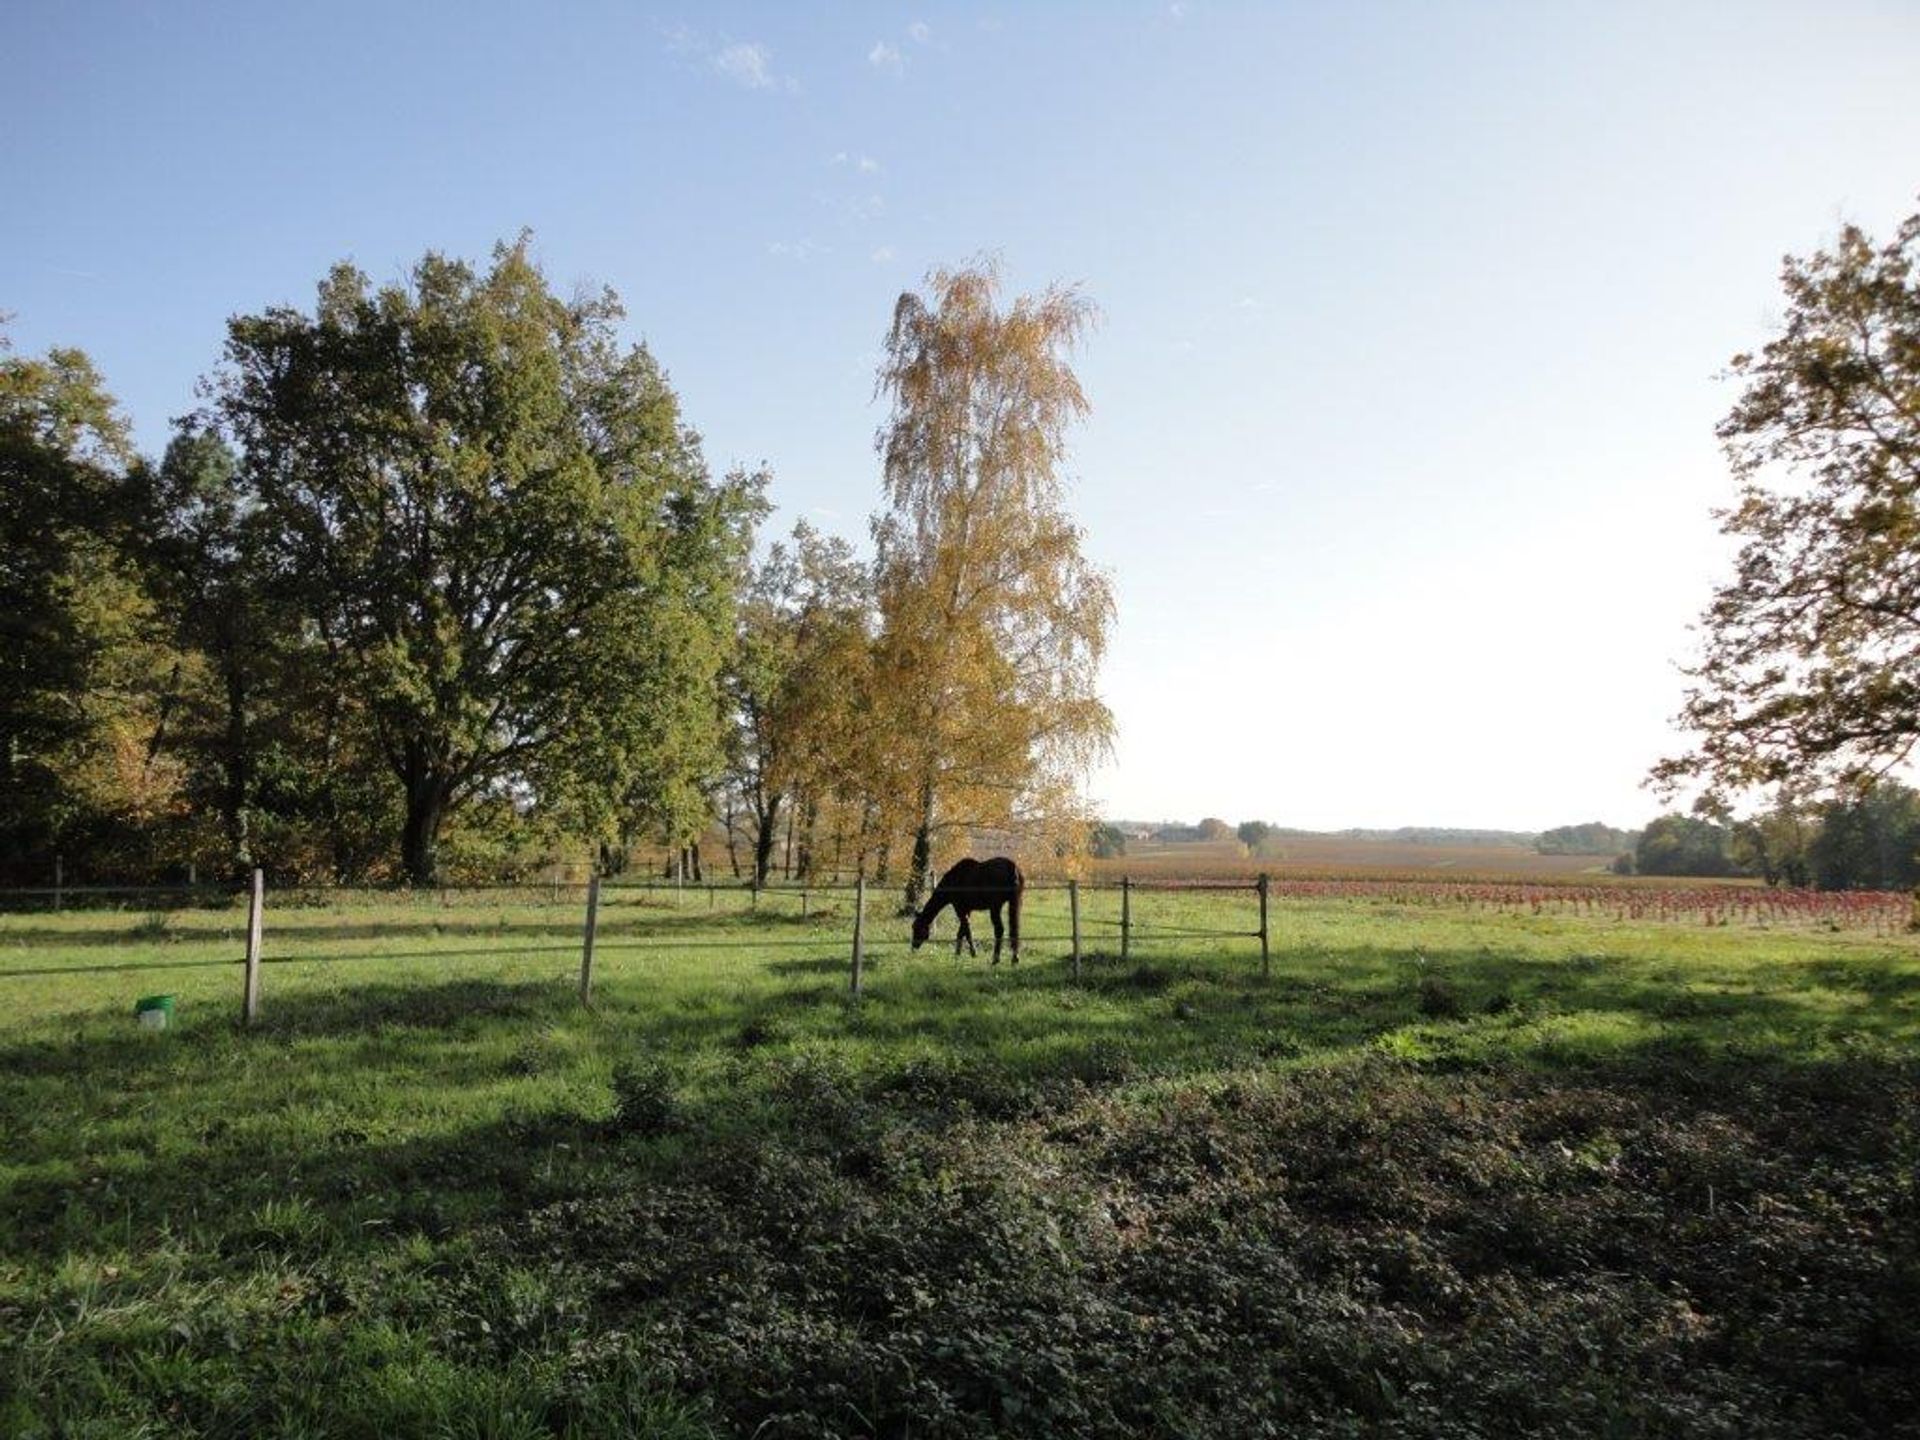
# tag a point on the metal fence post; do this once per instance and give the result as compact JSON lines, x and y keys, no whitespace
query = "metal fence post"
{"x":1126,"y":916}
{"x":586,"y":943}
{"x":1266,"y":953}
{"x":859,"y":924}
{"x":1073,"y":906}
{"x":250,"y":992}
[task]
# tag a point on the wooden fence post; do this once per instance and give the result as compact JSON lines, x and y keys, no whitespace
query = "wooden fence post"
{"x":1266,"y":953}
{"x":586,"y":943}
{"x":250,"y":992}
{"x":859,"y":924}
{"x":59,"y":880}
{"x":1073,"y":905}
{"x":1126,"y":916}
{"x":803,"y":903}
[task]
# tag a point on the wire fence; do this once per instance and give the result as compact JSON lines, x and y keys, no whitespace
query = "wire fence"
{"x":602,"y":914}
{"x":819,"y":903}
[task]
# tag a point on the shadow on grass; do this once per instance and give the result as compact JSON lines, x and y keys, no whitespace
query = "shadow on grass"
{"x":1159,"y":1020}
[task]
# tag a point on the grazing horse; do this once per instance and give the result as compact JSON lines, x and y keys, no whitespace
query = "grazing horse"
{"x":975,"y":885}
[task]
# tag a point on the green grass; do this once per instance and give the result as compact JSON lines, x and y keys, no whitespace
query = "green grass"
{"x":1441,"y":1172}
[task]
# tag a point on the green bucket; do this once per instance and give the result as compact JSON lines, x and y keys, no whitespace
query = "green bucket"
{"x":154,"y":1012}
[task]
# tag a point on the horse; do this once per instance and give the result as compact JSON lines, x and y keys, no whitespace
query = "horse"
{"x":975,"y":885}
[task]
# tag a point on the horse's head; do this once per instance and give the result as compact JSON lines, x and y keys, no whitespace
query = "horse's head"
{"x":922,"y":927}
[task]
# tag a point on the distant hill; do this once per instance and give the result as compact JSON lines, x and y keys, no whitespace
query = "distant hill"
{"x":1176,"y":831}
{"x":1439,"y":835}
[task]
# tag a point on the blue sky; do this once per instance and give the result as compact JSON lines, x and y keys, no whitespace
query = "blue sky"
{"x":1402,"y":450}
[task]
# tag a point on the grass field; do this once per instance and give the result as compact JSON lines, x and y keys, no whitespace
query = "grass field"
{"x":1443,"y":1173}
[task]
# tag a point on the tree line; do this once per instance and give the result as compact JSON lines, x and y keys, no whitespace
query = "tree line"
{"x":437,"y":580}
{"x":1868,"y":840}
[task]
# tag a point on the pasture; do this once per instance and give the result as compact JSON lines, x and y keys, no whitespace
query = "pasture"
{"x":1448,"y":1170}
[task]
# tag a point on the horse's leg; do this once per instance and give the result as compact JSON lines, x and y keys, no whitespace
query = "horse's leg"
{"x":964,"y":936}
{"x":998,"y":931}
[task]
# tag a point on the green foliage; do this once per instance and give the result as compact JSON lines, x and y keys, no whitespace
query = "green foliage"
{"x":1253,"y":833}
{"x":501,"y":531}
{"x":1870,"y":841}
{"x":1684,"y":845}
{"x":795,"y":689}
{"x":1106,"y":842}
{"x":1593,"y":838}
{"x":644,"y":1102}
{"x":83,"y":666}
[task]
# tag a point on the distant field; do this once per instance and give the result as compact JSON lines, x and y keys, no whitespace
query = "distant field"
{"x":1446,"y":1171}
{"x":1328,"y":855}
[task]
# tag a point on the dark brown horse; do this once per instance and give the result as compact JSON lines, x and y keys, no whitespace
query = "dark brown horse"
{"x":975,"y":885}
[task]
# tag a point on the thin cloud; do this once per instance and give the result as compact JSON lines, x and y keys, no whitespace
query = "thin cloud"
{"x":750,"y":65}
{"x":747,"y":63}
{"x":920,"y":32}
{"x":795,"y":249}
{"x":885,"y":57}
{"x":865,"y":164}
{"x":883,"y":255}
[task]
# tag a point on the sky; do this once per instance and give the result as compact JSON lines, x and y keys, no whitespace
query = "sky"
{"x":1415,"y":317}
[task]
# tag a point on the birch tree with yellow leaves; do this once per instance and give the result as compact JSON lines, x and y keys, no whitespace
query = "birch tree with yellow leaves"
{"x":993,"y":623}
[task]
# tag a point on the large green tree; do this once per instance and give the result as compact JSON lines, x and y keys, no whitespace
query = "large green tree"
{"x":498,"y":528}
{"x":81,"y":657}
{"x":1810,"y":667}
{"x":993,"y":623}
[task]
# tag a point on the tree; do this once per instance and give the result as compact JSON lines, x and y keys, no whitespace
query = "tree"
{"x":1683,"y":845}
{"x":993,"y":624}
{"x":1776,"y":841}
{"x":1593,"y":838}
{"x":501,"y":532}
{"x":1215,"y":829}
{"x":1810,"y":669}
{"x":81,"y":658}
{"x":1253,"y":833}
{"x":1868,"y":841}
{"x":793,"y":680}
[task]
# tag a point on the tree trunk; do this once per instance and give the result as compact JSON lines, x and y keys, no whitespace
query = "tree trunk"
{"x":922,"y":847}
{"x":766,"y":833}
{"x":811,"y":823}
{"x":693,"y":851}
{"x":427,"y":796}
{"x":733,"y":847}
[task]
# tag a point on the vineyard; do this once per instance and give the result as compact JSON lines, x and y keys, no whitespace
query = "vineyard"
{"x":1881,"y":911}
